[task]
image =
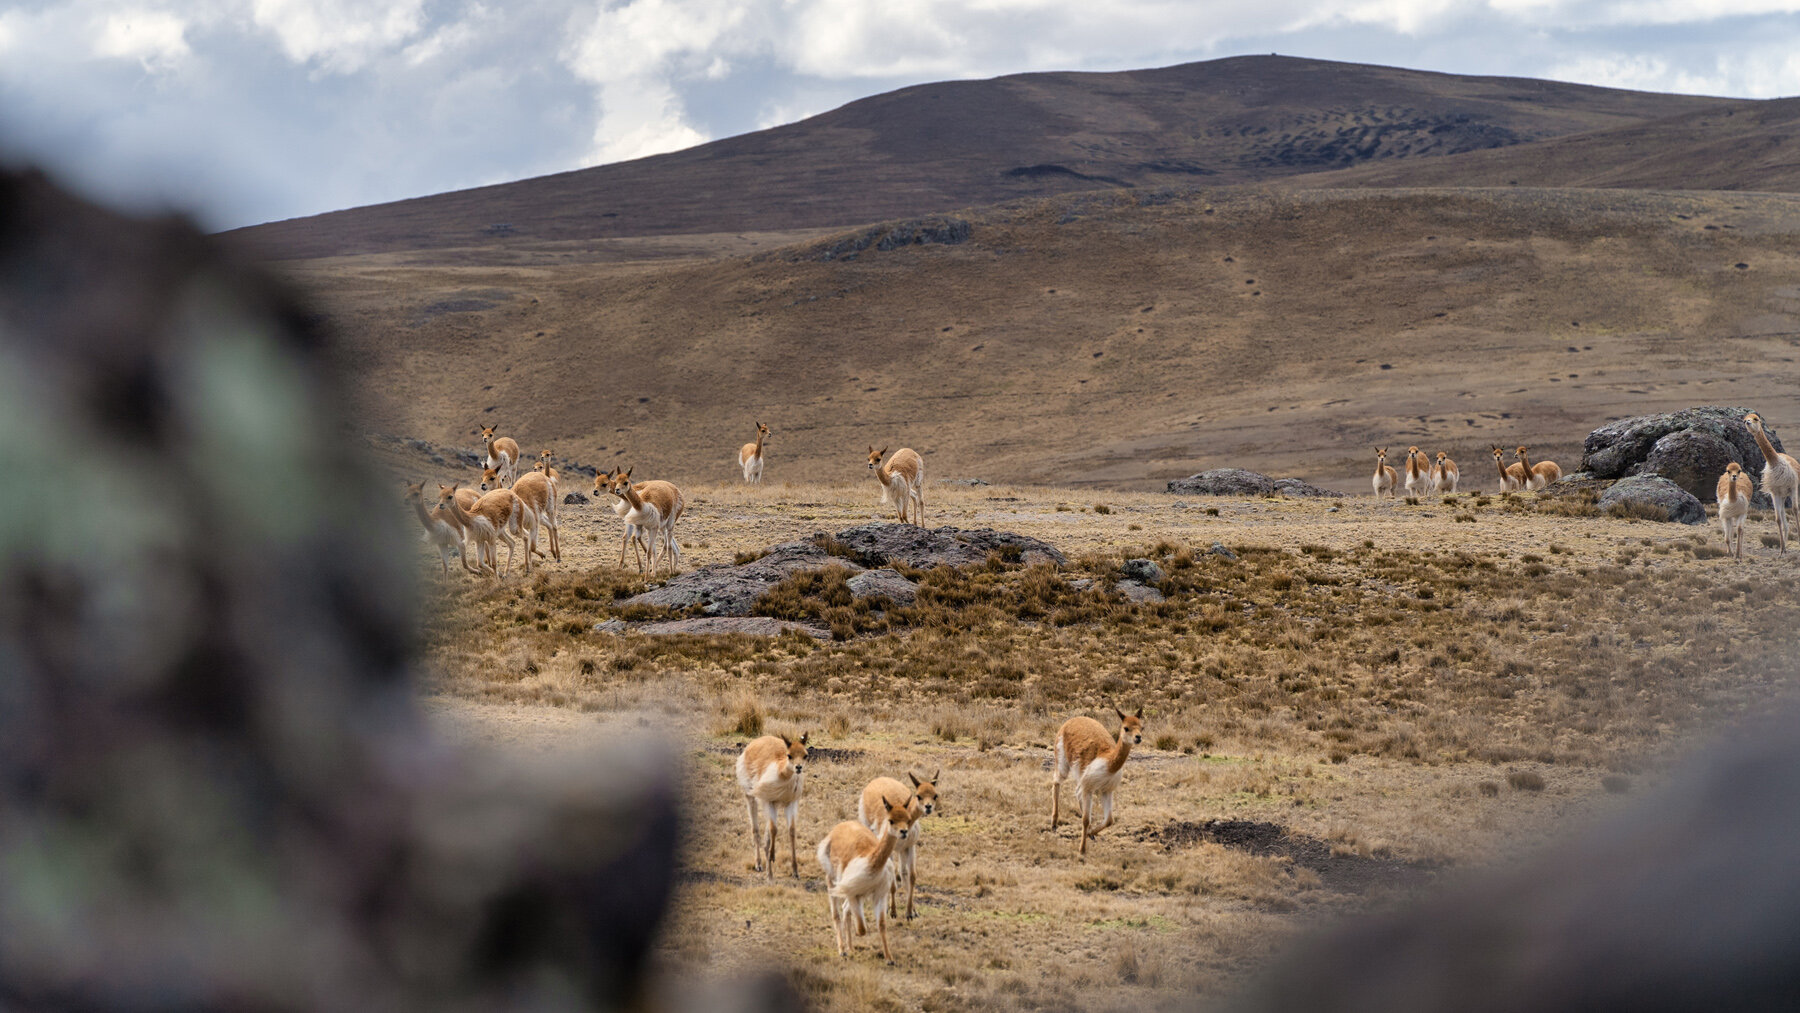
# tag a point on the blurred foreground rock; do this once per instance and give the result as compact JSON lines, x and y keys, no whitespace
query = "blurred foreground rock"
{"x":215,"y":789}
{"x":1690,"y":901}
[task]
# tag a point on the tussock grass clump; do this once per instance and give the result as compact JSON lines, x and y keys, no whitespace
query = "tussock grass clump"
{"x":1630,"y":510}
{"x":1525,"y":780}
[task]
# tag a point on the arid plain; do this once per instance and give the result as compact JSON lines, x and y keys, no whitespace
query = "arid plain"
{"x":1370,"y":697}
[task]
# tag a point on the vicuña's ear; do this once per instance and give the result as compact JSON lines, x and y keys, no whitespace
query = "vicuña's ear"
{"x":1140,"y":711}
{"x":803,"y":737}
{"x":1120,"y":713}
{"x":935,"y":773}
{"x":914,"y":778}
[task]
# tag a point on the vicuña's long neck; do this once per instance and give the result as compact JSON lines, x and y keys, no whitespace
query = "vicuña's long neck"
{"x":1120,"y":751}
{"x":1498,"y":463}
{"x":760,"y":437}
{"x":462,"y":516}
{"x":1762,"y":443}
{"x":418,"y":503}
{"x":884,"y":845}
{"x":1380,"y":466}
{"x":884,"y":474}
{"x":1525,"y":462}
{"x":630,"y":495}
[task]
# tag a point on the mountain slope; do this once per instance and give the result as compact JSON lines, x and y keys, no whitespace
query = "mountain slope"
{"x":1740,"y":146}
{"x":1101,"y":339}
{"x":943,"y":146}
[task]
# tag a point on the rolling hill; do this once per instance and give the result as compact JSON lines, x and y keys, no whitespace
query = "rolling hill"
{"x":938,"y":147}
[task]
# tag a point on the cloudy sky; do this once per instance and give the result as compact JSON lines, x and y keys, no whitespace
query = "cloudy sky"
{"x":246,"y":111}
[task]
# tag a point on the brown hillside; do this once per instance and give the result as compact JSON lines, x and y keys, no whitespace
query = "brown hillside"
{"x":1744,"y":146}
{"x":1097,"y":339}
{"x":941,"y":146}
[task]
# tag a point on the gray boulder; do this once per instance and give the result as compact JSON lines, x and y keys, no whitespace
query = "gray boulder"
{"x":1693,"y":459}
{"x":884,"y":583}
{"x":1144,"y":571}
{"x":1623,"y":448}
{"x":1657,"y":492}
{"x":1293,"y":488}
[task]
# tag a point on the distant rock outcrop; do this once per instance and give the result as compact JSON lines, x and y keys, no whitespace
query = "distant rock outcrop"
{"x":1239,"y":482}
{"x":1647,"y":495}
{"x":868,"y":551}
{"x":1689,"y":448}
{"x":893,"y":235}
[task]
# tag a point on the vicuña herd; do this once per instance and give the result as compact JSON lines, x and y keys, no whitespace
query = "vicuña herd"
{"x":867,"y":862}
{"x":507,"y":506}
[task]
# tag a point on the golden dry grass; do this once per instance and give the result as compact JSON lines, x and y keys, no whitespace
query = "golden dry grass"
{"x":1368,"y":677}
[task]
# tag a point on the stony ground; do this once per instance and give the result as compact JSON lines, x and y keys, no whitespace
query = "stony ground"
{"x":1371,"y":697}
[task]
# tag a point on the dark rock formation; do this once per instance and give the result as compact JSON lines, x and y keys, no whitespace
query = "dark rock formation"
{"x":1239,"y":482}
{"x":730,"y":590}
{"x":1689,"y":447}
{"x":1144,"y":571}
{"x":215,"y":789}
{"x":1643,"y":495}
{"x":884,"y":544}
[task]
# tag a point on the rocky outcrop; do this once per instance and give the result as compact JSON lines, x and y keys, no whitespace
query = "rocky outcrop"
{"x":1239,"y":482}
{"x":868,"y":551}
{"x":875,"y":545}
{"x":1690,"y":447}
{"x":1645,"y":495}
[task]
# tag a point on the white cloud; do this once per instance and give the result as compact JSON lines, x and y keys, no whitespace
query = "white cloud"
{"x":156,"y":39}
{"x":337,"y":35}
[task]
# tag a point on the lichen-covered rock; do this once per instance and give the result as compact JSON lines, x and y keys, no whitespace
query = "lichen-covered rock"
{"x":1643,"y":495}
{"x":1296,"y":489}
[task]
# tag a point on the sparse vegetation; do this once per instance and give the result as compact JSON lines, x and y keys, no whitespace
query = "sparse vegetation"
{"x":1296,"y":683}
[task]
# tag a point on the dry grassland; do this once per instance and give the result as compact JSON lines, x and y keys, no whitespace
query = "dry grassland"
{"x":1404,"y":689}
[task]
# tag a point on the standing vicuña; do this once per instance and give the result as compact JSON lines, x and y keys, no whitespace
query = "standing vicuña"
{"x":1084,"y":749}
{"x":858,"y":869}
{"x":1418,"y":468}
{"x":868,"y":811}
{"x":1386,"y":479}
{"x":538,"y":492}
{"x":1734,"y":494}
{"x":1444,"y":473}
{"x":502,"y":455}
{"x":1512,"y":476}
{"x":492,"y":519}
{"x":651,"y":508}
{"x":750,"y":456}
{"x":1780,"y":476}
{"x":770,"y":770}
{"x":902,"y":481}
{"x":1538,"y":475}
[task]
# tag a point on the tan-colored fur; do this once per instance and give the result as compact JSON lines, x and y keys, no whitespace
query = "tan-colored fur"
{"x":902,"y":481}
{"x":502,"y":454}
{"x":1733,"y":493}
{"x":493,"y":518}
{"x":1538,"y":475}
{"x":538,"y":495}
{"x":869,"y":808}
{"x":1780,"y":476}
{"x":750,"y":455}
{"x":1386,"y":479}
{"x":771,"y":771}
{"x":859,"y":869}
{"x":1085,"y":751}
